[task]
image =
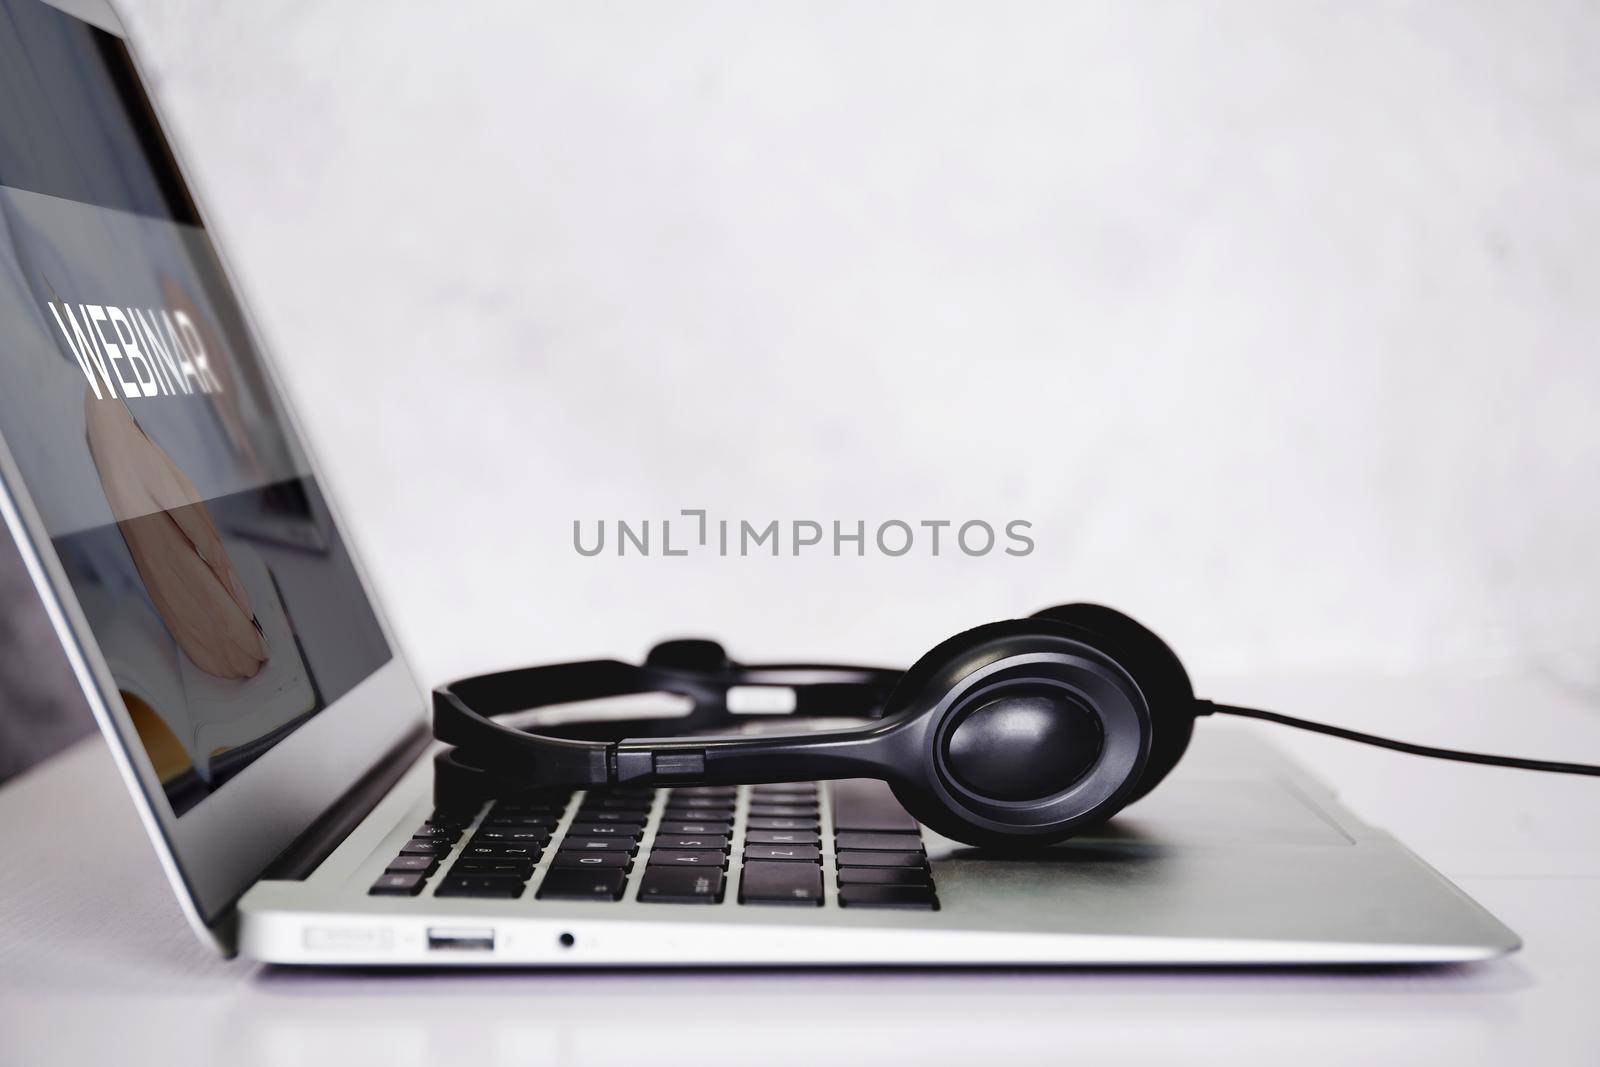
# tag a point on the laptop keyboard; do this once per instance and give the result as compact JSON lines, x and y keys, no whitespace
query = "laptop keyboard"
{"x":758,"y":846}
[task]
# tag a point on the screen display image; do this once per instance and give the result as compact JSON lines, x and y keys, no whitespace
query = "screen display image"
{"x":135,"y":406}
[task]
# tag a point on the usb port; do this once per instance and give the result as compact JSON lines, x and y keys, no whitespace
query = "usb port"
{"x":460,"y":939}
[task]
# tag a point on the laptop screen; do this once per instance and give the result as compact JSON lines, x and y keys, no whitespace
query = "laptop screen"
{"x":136,"y":409}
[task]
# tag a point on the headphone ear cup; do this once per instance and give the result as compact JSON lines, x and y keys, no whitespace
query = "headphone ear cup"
{"x":1157,"y":671}
{"x":943,"y":669}
{"x":938,"y":659}
{"x":697,"y":654}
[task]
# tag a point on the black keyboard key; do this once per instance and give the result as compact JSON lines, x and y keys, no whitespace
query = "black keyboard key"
{"x":402,"y":864}
{"x":506,"y":808}
{"x":796,"y":853}
{"x":866,"y":842}
{"x":880,"y":859}
{"x":781,"y":883}
{"x":692,"y":841}
{"x":782,"y":837}
{"x":884,"y":876}
{"x":867,"y":804}
{"x":888,"y":896}
{"x":697,"y":815}
{"x":545,"y":821}
{"x":477,"y":885}
{"x":678,"y":801}
{"x":604,"y":829}
{"x":783,"y":811}
{"x":727,"y":791}
{"x":624,"y":845}
{"x":695,"y":827}
{"x":808,"y":825}
{"x":495,"y":868}
{"x":527,"y":852}
{"x":398,"y":884}
{"x":616,"y":803}
{"x":507,"y":835}
{"x":444,"y":840}
{"x":604,"y":803}
{"x":667,"y":885}
{"x":527,"y":848}
{"x":784,"y":789}
{"x":422,"y":846}
{"x":723,"y":819}
{"x":448,"y":834}
{"x":458,"y":819}
{"x":589,"y":860}
{"x":637,"y":818}
{"x":566,"y":883}
{"x":676,"y":857}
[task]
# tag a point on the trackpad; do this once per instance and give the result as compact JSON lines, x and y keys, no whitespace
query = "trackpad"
{"x":1208,"y":812}
{"x":1197,"y":813}
{"x":1188,"y":813}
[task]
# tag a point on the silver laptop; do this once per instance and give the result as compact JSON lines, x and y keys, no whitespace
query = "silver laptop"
{"x":275,"y":743}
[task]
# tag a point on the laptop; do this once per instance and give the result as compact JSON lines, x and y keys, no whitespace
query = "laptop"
{"x":196,"y":570}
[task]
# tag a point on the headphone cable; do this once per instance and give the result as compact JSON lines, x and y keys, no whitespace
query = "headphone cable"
{"x":1206,"y":707}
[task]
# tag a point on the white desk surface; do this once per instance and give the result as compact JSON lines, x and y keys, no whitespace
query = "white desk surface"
{"x":98,"y":966}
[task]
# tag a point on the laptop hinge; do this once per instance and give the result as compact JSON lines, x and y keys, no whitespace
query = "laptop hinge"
{"x":306,"y":852}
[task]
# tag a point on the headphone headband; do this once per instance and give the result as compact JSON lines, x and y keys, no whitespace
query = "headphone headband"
{"x":464,"y":711}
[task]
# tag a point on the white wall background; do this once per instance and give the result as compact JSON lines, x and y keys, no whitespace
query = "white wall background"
{"x":1281,"y":322}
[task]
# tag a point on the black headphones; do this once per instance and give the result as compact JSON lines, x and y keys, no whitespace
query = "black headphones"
{"x":1015,"y":733}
